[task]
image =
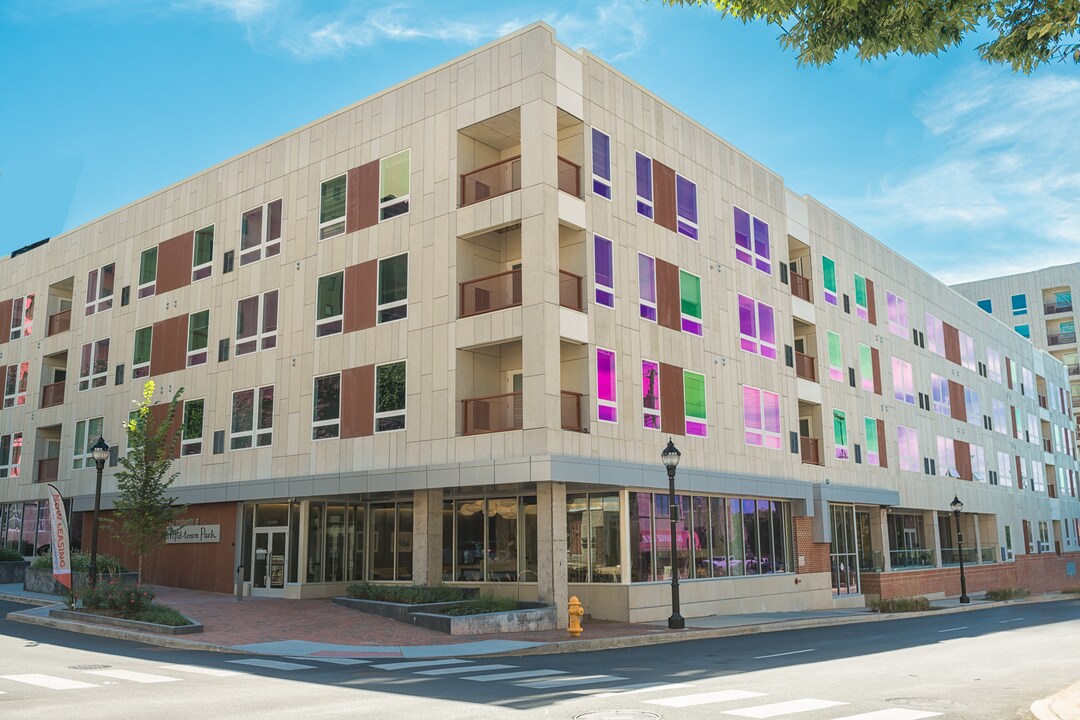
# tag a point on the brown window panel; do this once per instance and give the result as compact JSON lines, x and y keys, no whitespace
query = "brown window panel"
{"x":174,"y":263}
{"x":360,"y":293}
{"x":672,"y":407}
{"x":664,"y":195}
{"x":362,"y":197}
{"x":952,"y":343}
{"x":358,"y":402}
{"x":883,"y":458}
{"x":871,"y":306}
{"x":957,"y":407}
{"x":168,"y":352}
{"x":5,"y":320}
{"x":668,"y":295}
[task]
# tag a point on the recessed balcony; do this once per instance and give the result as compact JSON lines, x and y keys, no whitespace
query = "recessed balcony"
{"x":800,"y":287}
{"x":1061,"y":338}
{"x":805,"y":367}
{"x":59,"y":322}
{"x":810,"y":450}
{"x":493,"y":413}
{"x":47,"y":470}
{"x":503,"y":290}
{"x":52,"y":394}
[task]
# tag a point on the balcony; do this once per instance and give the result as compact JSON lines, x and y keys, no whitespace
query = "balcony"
{"x":52,"y":395}
{"x":805,"y":367}
{"x":921,"y":557}
{"x":47,"y":470}
{"x":800,"y":286}
{"x":490,"y":293}
{"x":1047,"y":445}
{"x":1061,"y":338}
{"x":569,"y":177}
{"x":59,"y":322}
{"x":491,"y":181}
{"x":494,"y":413}
{"x":951,"y":556}
{"x":570,"y":291}
{"x":810,"y":450}
{"x":1042,"y":402}
{"x":571,"y":411}
{"x":1073,"y":368}
{"x":1055,"y":308}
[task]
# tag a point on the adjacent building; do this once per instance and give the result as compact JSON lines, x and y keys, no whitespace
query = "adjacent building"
{"x":444,"y":334}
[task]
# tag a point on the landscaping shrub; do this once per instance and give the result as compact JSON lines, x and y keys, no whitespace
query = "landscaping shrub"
{"x":122,"y":599}
{"x":407,"y":594}
{"x":1006,"y":593}
{"x":908,"y":604}
{"x":163,"y":615}
{"x":7,"y":554}
{"x":481,"y":605}
{"x":80,"y":562}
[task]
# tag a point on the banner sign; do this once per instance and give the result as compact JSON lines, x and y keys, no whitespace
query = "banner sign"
{"x":61,"y":553}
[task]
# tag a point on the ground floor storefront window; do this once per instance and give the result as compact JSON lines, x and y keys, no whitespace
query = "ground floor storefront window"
{"x":24,"y":527}
{"x":489,"y":539}
{"x":593,"y":538}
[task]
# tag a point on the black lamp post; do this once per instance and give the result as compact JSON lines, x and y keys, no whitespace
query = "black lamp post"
{"x":100,"y":452}
{"x":670,"y":457}
{"x":957,"y":506}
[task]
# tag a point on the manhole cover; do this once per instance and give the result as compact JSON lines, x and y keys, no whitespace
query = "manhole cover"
{"x":618,"y":715}
{"x":89,"y":667}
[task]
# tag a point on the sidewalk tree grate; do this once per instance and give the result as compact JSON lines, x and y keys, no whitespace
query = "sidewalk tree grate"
{"x":618,"y":715}
{"x":89,"y":667}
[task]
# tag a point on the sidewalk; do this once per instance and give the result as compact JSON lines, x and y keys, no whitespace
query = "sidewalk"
{"x":318,"y":628}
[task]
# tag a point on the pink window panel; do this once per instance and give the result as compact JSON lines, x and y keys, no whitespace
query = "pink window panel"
{"x":650,"y":394}
{"x":607,"y":410}
{"x":647,"y":286}
{"x":752,"y":421}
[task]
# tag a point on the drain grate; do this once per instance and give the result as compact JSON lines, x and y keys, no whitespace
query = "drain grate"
{"x":618,"y":715}
{"x":89,"y":667}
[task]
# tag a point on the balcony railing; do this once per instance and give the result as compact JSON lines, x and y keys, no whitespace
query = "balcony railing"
{"x":1061,"y":338}
{"x":950,"y":556}
{"x":1074,"y":368}
{"x":987,"y":554}
{"x":805,"y":367}
{"x":59,"y":322}
{"x":570,"y":290}
{"x":491,"y":181}
{"x":1055,"y":308}
{"x":490,"y":293}
{"x":569,"y":177}
{"x":800,"y":286}
{"x":571,"y":411}
{"x":47,"y":470}
{"x":494,"y":413}
{"x":810,"y":450}
{"x":1047,"y":445}
{"x":920,"y":557}
{"x":52,"y":394}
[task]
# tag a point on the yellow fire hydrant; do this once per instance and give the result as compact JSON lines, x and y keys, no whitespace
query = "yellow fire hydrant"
{"x":576,"y":611}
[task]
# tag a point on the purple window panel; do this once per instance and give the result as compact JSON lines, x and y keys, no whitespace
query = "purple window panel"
{"x":273,"y":231}
{"x":643,"y":166}
{"x":605,"y":273}
{"x":692,"y":326}
{"x":772,"y":419}
{"x":686,"y":206}
{"x":697,"y":429}
{"x":766,"y":331}
{"x":752,"y":415}
{"x":269,"y":318}
{"x":605,"y":385}
{"x":650,"y":394}
{"x":647,"y":286}
{"x":742,"y":237}
{"x":747,"y":324}
{"x":601,"y":164}
{"x":761,"y":247}
{"x":601,"y":189}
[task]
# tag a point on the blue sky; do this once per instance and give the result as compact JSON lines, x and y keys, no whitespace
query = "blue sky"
{"x":966,"y":169}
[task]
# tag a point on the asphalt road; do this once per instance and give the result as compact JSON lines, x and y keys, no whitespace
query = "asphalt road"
{"x":980,"y":665}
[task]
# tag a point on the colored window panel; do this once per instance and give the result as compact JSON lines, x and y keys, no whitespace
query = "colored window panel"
{"x":644,"y":184}
{"x":650,"y":394}
{"x":752,"y":241}
{"x":761,"y":417}
{"x":192,"y":428}
{"x":935,"y":335}
{"x":986,"y":305}
{"x":256,"y":323}
{"x":903,"y":381}
{"x":260,"y":233}
{"x":94,"y":366}
{"x":840,"y":434}
{"x":647,"y":286}
{"x":1024,"y":330}
{"x":993,"y":365}
{"x":390,"y":397}
{"x":1019,"y":304}
{"x":332,"y":200}
{"x":22,"y":317}
{"x":10,"y":455}
{"x":17,"y":383}
{"x":836,"y":360}
{"x":694,"y":403}
{"x":86,"y":434}
{"x":940,"y":392}
{"x":686,"y":207}
{"x":908,"y":441}
{"x":604,"y":257}
{"x":252,"y":418}
{"x":330,"y":305}
{"x":828,"y":279}
{"x":873,"y":455}
{"x":202,"y":254}
{"x":757,"y":331}
{"x":861,"y":303}
{"x":148,"y":272}
{"x":140,"y":359}
{"x":866,"y":367}
{"x":99,"y":289}
{"x":393,"y":294}
{"x":394,"y":185}
{"x":690,"y":296}
{"x":198,"y":338}
{"x":606,"y":386}
{"x":326,"y":410}
{"x":601,"y":163}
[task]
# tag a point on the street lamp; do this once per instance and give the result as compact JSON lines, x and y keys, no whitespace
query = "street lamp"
{"x":670,"y":457}
{"x":100,"y":452}
{"x":957,"y":506}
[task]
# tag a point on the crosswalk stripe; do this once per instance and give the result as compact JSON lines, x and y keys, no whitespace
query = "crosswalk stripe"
{"x":132,"y":676}
{"x":49,"y":681}
{"x":568,"y":681}
{"x":633,"y":689}
{"x":467,"y":668}
{"x":784,"y":708}
{"x":332,"y":660}
{"x":515,"y":675}
{"x":893,"y":714}
{"x":419,"y":663}
{"x":272,"y":664}
{"x":705,"y":698}
{"x":212,"y":672}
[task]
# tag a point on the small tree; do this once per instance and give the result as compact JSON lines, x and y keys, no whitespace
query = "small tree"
{"x":144,"y":510}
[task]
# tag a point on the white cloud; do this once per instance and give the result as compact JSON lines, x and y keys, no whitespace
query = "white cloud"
{"x":1003,"y":186}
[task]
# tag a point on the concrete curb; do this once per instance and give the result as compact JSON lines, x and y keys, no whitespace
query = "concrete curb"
{"x":1065,"y":705}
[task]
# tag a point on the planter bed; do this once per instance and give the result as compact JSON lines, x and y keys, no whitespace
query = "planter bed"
{"x":392,"y":610}
{"x":529,"y":617}
{"x":13,"y":571}
{"x":94,"y":619}
{"x":41,"y":580}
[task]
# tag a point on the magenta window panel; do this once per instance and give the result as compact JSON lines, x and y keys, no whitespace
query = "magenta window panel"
{"x":771,"y":419}
{"x":747,"y":324}
{"x":763,"y":259}
{"x":766,"y":331}
{"x":686,"y":207}
{"x":605,"y":271}
{"x":752,"y":425}
{"x":743,"y":251}
{"x":650,"y":394}
{"x":643,"y":166}
{"x":697,"y":429}
{"x":647,"y":286}
{"x":692,"y":326}
{"x":606,"y":385}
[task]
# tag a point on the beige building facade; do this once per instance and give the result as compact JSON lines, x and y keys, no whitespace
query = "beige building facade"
{"x":444,"y":334}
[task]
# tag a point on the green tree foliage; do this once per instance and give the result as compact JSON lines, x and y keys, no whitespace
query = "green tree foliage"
{"x":1028,"y":32}
{"x":144,"y":511}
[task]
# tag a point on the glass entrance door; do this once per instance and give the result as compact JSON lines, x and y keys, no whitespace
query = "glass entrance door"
{"x":268,"y":562}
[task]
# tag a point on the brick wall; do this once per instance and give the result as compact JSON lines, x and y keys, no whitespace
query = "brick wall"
{"x":816,"y":555}
{"x":1038,"y":573}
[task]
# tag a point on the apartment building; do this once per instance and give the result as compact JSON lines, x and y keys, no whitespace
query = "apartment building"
{"x":443,"y":335}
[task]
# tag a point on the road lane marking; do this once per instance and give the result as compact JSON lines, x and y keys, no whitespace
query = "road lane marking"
{"x":633,"y":689}
{"x":132,"y":676}
{"x":467,"y":668}
{"x":793,"y":652}
{"x":419,"y":663}
{"x":515,"y":675}
{"x":893,"y":714}
{"x":705,"y":698}
{"x":49,"y":681}
{"x":962,"y":627}
{"x":1013,"y":620}
{"x":272,"y":664}
{"x":212,"y":672}
{"x":331,"y":660}
{"x":784,"y":708}
{"x":568,"y":681}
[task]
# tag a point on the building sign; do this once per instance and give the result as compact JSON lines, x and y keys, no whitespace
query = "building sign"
{"x":192,"y":532}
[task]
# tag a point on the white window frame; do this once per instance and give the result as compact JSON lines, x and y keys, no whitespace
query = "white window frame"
{"x":22,"y":371}
{"x":898,"y":314}
{"x":596,"y":178}
{"x":679,"y":218}
{"x":335,"y":423}
{"x":191,"y":446}
{"x":141,"y":370}
{"x":993,"y":366}
{"x":85,"y":459}
{"x":613,"y":404}
{"x":19,"y":328}
{"x":935,"y":335}
{"x":946,"y":450}
{"x":684,"y":318}
{"x":906,"y":381}
{"x":403,"y":412}
{"x":335,"y":323}
{"x":193,"y":356}
{"x":941,"y":403}
{"x":404,"y":302}
{"x":704,"y":421}
{"x":912,"y":436}
{"x":397,"y":200}
{"x":640,"y":200}
{"x":765,"y":435}
{"x":261,"y":335}
{"x":1005,"y":469}
{"x":331,"y":228}
{"x":10,"y":469}
{"x":642,"y":302}
{"x":92,"y":380}
{"x":265,"y":245}
{"x":255,"y":432}
{"x":206,"y":269}
{"x":656,"y":413}
{"x":100,"y":303}
{"x":148,"y":289}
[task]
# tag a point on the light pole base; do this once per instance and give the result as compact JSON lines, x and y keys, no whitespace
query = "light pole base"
{"x":676,"y":622}
{"x":964,"y":600}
